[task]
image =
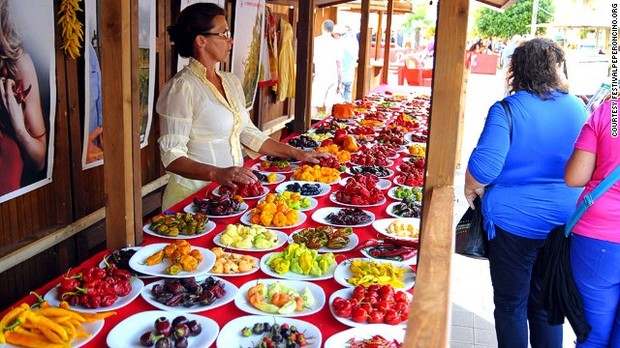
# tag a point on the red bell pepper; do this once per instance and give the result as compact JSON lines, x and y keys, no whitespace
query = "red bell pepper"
{"x":339,"y":136}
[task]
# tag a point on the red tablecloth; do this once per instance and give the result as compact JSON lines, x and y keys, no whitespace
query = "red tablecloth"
{"x":323,"y":319}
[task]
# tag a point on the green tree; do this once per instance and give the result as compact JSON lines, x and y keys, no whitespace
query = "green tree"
{"x":515,"y":20}
{"x":414,"y":23}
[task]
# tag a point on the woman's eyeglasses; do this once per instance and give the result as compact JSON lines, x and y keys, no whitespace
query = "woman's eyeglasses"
{"x":225,"y":34}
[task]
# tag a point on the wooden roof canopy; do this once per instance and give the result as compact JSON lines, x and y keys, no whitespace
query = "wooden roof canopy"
{"x":402,"y":6}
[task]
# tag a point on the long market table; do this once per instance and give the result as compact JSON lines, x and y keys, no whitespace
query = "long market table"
{"x":323,"y":319}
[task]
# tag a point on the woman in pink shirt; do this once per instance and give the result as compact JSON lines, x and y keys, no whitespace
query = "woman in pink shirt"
{"x":595,"y":244}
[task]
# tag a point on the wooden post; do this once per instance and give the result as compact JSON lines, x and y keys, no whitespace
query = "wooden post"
{"x":447,"y":103}
{"x":122,"y":182}
{"x":364,"y":52}
{"x":428,"y":327}
{"x":378,"y":34}
{"x":388,"y":42}
{"x":305,"y":49}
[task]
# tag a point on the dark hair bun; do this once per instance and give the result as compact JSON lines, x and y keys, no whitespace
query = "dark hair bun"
{"x":193,"y":20}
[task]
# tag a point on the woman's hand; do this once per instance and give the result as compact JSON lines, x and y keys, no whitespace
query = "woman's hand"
{"x":311,"y":156}
{"x":470,"y":195}
{"x":10,"y":104}
{"x":472,"y":188}
{"x":232,"y":176}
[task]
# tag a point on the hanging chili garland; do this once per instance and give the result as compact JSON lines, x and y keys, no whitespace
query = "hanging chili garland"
{"x":72,"y":29}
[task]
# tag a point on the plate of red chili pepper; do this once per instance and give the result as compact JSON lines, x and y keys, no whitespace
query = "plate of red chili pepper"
{"x":379,"y":304}
{"x":369,"y":335}
{"x":93,"y":294}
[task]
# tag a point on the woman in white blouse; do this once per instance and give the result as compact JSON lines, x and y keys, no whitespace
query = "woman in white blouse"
{"x":204,"y":123}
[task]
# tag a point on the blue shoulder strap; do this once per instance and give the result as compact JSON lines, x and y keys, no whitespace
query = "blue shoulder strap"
{"x":589,"y":199}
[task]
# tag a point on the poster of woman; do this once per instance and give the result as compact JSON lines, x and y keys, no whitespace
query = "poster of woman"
{"x":248,"y":34}
{"x":28,"y":105}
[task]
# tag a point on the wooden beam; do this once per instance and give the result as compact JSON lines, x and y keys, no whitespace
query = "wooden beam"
{"x":119,"y":47}
{"x":388,"y":40}
{"x":378,"y":34}
{"x":364,"y":52}
{"x":276,"y":124}
{"x":447,"y":101}
{"x":305,"y":49}
{"x":429,"y":321}
{"x":22,"y":254}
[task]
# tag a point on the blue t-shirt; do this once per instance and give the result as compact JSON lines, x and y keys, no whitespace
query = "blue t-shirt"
{"x":527,"y":195}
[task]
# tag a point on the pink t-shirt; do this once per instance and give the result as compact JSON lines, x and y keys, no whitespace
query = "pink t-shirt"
{"x":602,"y":219}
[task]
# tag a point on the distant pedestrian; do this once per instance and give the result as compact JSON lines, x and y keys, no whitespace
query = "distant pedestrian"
{"x":326,"y":60}
{"x":350,"y":54}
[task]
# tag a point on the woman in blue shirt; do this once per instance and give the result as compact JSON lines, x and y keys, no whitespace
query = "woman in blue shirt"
{"x":519,"y":167}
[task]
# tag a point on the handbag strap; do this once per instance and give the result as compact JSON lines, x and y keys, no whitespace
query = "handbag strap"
{"x":508,"y":115}
{"x":589,"y":199}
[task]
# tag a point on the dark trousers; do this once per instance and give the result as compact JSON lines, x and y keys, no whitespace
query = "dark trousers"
{"x":516,"y":293}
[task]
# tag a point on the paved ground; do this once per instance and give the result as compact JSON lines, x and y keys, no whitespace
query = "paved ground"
{"x":472,"y":293}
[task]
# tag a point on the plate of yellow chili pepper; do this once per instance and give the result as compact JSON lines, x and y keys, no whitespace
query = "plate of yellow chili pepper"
{"x":174,"y":260}
{"x":75,"y":330}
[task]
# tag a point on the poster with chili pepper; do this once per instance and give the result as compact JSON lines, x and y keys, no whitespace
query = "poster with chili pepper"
{"x":28,"y":82}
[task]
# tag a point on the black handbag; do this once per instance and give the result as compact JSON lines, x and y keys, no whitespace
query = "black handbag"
{"x":471,"y":239}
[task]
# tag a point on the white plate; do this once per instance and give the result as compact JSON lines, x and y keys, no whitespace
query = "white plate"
{"x":136,"y":286}
{"x":320,"y":216}
{"x":332,"y":197}
{"x":230,"y":336}
{"x":139,"y":275}
{"x":390,"y":208}
{"x":291,"y":275}
{"x":242,"y":209}
{"x":126,"y":334}
{"x":240,"y":274}
{"x":210,"y":226}
{"x":405,"y":148}
{"x":290,"y":160}
{"x":382,"y":184}
{"x":257,"y":167}
{"x":389,"y":163}
{"x":242,"y":302}
{"x":301,"y":218}
{"x":279,"y":178}
{"x":353,"y":241}
{"x":381,"y":225}
{"x":137,"y":262}
{"x":91,"y":328}
{"x":343,"y":273}
{"x":390,"y":172}
{"x":411,"y":261}
{"x":231,"y":292}
{"x":347,"y":293}
{"x":389,"y":332}
{"x":313,"y":203}
{"x":396,"y":182}
{"x":324,"y":188}
{"x":282,"y":237}
{"x":216,"y":192}
{"x":392,"y":194}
